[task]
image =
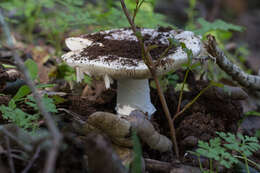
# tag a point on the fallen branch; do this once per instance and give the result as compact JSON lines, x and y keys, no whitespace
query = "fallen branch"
{"x":31,"y":162}
{"x":9,"y":131}
{"x":166,"y":167}
{"x":157,"y":166}
{"x":56,"y":135}
{"x":246,"y":80}
{"x":9,"y":155}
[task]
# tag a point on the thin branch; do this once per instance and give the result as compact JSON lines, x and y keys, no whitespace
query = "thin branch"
{"x":138,"y":5}
{"x":158,"y":166}
{"x":10,"y":135}
{"x":149,"y":63}
{"x":193,"y":101}
{"x":246,"y":80}
{"x":9,"y":155}
{"x":35,"y":156}
{"x":56,"y":135}
{"x":165,"y":52}
{"x":182,"y":88}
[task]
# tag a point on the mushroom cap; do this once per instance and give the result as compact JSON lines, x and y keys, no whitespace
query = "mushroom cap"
{"x":119,"y":67}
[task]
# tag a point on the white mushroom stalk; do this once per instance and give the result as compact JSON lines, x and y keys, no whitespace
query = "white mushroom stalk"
{"x":133,"y":95}
{"x":131,"y":74}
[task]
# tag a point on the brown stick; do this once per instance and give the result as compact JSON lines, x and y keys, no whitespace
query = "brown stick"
{"x":149,"y":62}
{"x":8,"y":133}
{"x":157,"y":166}
{"x":30,"y":164}
{"x":9,"y":155}
{"x":166,"y":167}
{"x":246,"y":80}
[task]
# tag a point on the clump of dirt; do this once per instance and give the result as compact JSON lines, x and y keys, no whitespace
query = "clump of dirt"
{"x":85,"y":107}
{"x":129,"y":49}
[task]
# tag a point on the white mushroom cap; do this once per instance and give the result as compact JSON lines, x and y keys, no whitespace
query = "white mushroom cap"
{"x":131,"y":73}
{"x":117,"y":68}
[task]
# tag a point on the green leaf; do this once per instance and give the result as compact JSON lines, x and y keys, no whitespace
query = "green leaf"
{"x":12,"y":104}
{"x":257,"y":134}
{"x":58,"y":99}
{"x":45,"y":85}
{"x":216,"y":25}
{"x":217,"y":84}
{"x":48,"y":102}
{"x":22,"y":92}
{"x":20,"y":118}
{"x":8,"y":66}
{"x":252,"y":113}
{"x":195,"y":65}
{"x":137,"y":162}
{"x":32,"y":68}
{"x":87,"y":79}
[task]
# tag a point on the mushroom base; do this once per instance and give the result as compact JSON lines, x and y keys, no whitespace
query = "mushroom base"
{"x":133,"y":94}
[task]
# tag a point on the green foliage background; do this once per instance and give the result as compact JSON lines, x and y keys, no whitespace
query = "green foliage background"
{"x":54,"y":18}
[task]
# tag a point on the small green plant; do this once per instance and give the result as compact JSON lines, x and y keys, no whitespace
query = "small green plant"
{"x":191,"y":15}
{"x":16,"y":115}
{"x":136,"y":166}
{"x":55,"y":18}
{"x":220,"y":149}
{"x":27,"y":13}
{"x":223,"y":32}
{"x":245,"y":145}
{"x":217,"y":26}
{"x":69,"y":14}
{"x":113,"y":16}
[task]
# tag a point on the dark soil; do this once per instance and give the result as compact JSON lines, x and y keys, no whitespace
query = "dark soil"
{"x":200,"y":122}
{"x":125,"y":48}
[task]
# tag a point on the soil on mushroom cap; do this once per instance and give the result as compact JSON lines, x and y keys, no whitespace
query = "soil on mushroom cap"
{"x":129,"y":49}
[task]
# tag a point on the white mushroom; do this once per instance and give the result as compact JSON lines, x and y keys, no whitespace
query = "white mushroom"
{"x":131,"y":74}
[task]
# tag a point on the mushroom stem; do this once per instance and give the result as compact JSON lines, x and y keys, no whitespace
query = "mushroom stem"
{"x":133,"y":95}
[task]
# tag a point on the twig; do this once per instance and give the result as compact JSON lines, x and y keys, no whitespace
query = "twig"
{"x":9,"y":155}
{"x":10,"y":135}
{"x":182,"y":88}
{"x":74,"y":115}
{"x":165,"y":52}
{"x":166,"y":167}
{"x":56,"y":136}
{"x":138,"y":5}
{"x":158,"y":166}
{"x":149,"y":63}
{"x":35,"y":156}
{"x":193,"y":101}
{"x":246,"y":80}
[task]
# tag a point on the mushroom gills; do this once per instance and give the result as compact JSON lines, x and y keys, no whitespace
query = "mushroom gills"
{"x":134,"y":94}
